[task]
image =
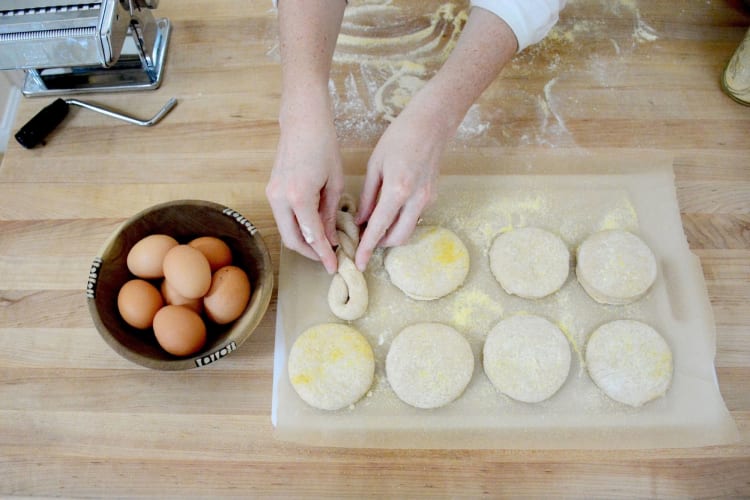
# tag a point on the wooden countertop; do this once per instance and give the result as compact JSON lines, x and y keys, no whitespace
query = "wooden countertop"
{"x":77,"y":420}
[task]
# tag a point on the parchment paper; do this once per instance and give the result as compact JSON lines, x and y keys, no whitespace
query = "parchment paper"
{"x":582,"y":196}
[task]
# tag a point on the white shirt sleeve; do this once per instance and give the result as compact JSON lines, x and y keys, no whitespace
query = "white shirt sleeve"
{"x":530,"y":20}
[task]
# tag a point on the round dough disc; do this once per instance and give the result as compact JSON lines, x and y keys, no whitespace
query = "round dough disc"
{"x":429,"y":365}
{"x":527,"y":358}
{"x":331,"y":366}
{"x":529,"y":262}
{"x":432,"y":264}
{"x":629,"y":361}
{"x":615,"y":267}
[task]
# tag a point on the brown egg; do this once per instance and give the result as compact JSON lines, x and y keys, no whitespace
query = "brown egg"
{"x":172,"y":298}
{"x":228,"y":295}
{"x":187,"y":271}
{"x":216,"y":251}
{"x":138,"y":301}
{"x":147,"y":255}
{"x":179,"y":330}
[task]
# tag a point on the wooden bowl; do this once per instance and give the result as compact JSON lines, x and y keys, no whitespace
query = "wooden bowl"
{"x":183,"y":220}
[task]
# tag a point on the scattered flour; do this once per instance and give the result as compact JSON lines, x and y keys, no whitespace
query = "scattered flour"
{"x":388,"y":49}
{"x":643,"y":32}
{"x":473,"y":124}
{"x":398,"y":89}
{"x":550,"y":107}
{"x":392,"y":55}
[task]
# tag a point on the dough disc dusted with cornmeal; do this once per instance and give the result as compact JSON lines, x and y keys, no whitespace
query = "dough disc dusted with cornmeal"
{"x":331,"y":366}
{"x":529,"y":262}
{"x":432,"y":264}
{"x":615,"y":267}
{"x":629,"y":361}
{"x":526,"y":358}
{"x":429,"y":365}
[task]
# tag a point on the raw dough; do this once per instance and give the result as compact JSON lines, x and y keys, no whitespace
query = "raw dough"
{"x":432,"y":264}
{"x":347,"y":296}
{"x":615,"y":267}
{"x":529,"y":262}
{"x":629,"y":361}
{"x":526,"y":358}
{"x":331,"y":366}
{"x":429,"y":365}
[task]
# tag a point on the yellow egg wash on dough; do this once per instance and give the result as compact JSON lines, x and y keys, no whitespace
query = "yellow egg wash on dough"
{"x":335,"y":354}
{"x":311,"y":352}
{"x":363,"y":348}
{"x":302,"y":378}
{"x":662,"y":364}
{"x":446,"y":251}
{"x":327,"y":355}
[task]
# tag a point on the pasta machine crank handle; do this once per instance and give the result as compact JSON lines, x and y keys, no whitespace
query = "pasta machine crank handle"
{"x":44,"y":122}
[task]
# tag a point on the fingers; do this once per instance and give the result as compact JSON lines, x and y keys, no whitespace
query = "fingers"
{"x":329,"y":203}
{"x":290,"y":233}
{"x":404,"y":225}
{"x":302,"y":230}
{"x":369,"y":196}
{"x":313,"y":234}
{"x":383,"y":216}
{"x":393,"y":219}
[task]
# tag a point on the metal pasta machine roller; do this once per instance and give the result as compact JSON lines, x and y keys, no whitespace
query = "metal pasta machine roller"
{"x":75,"y":46}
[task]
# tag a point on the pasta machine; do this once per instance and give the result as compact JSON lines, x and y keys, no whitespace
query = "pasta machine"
{"x":77,"y":46}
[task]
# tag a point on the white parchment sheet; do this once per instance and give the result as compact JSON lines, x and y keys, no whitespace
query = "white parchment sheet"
{"x":637,"y":196}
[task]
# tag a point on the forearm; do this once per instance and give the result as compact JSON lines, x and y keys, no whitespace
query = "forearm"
{"x":308,"y":30}
{"x":486,"y":44}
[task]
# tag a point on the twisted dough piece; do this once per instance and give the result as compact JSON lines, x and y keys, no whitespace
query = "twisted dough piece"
{"x":347,"y":296}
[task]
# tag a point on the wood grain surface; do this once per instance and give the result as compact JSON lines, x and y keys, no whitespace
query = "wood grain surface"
{"x":77,"y":420}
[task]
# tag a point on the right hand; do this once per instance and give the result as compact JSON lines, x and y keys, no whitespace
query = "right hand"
{"x":306,"y":184}
{"x":402,"y":176}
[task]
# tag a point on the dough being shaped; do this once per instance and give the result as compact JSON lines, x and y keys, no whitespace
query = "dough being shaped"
{"x":331,"y":366}
{"x":429,"y":365}
{"x":629,"y":361}
{"x":529,"y":262}
{"x":347,"y":296}
{"x":432,"y":264}
{"x":615,"y":267}
{"x":526,"y":358}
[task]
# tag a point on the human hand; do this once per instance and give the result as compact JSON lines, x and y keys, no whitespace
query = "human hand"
{"x":307,"y":178}
{"x":305,"y":186}
{"x":401,"y":177}
{"x":403,"y":169}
